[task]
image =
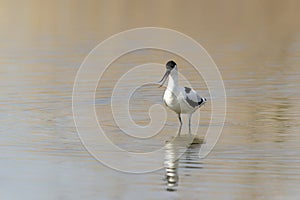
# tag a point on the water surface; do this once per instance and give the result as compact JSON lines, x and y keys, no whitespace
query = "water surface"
{"x":256,"y":46}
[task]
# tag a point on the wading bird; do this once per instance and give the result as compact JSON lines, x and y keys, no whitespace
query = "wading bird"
{"x":182,"y":100}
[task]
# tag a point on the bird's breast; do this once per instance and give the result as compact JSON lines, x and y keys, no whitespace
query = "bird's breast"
{"x":171,"y":101}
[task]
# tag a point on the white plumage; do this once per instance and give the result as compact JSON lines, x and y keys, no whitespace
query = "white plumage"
{"x":182,"y":100}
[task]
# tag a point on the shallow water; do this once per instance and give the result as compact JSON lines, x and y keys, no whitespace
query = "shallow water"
{"x":256,"y":47}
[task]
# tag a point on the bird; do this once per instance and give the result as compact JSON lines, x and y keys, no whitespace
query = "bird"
{"x":181,"y":100}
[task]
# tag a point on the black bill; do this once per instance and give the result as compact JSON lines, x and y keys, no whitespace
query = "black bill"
{"x":164,"y":78}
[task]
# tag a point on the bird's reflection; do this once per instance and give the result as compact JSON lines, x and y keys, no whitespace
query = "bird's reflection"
{"x":181,"y":149}
{"x":171,"y":166}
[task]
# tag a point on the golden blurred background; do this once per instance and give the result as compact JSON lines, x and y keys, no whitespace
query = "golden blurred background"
{"x":255,"y":44}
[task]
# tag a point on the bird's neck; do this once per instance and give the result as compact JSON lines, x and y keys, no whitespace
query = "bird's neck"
{"x":173,"y":81}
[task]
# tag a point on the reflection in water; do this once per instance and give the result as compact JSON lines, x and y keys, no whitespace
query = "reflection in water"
{"x":181,"y":149}
{"x":171,"y":165}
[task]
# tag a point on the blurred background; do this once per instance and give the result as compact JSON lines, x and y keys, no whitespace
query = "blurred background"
{"x":255,"y":44}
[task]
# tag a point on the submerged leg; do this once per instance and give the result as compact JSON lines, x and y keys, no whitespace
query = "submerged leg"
{"x":179,"y":117}
{"x":190,"y":117}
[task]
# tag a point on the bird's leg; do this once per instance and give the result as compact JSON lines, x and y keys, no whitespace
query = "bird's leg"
{"x":190,"y":117}
{"x":179,"y":117}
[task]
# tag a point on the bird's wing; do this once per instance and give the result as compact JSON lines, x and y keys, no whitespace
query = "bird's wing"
{"x":192,"y":98}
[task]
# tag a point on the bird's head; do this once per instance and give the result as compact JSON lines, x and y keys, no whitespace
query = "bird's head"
{"x":170,"y":66}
